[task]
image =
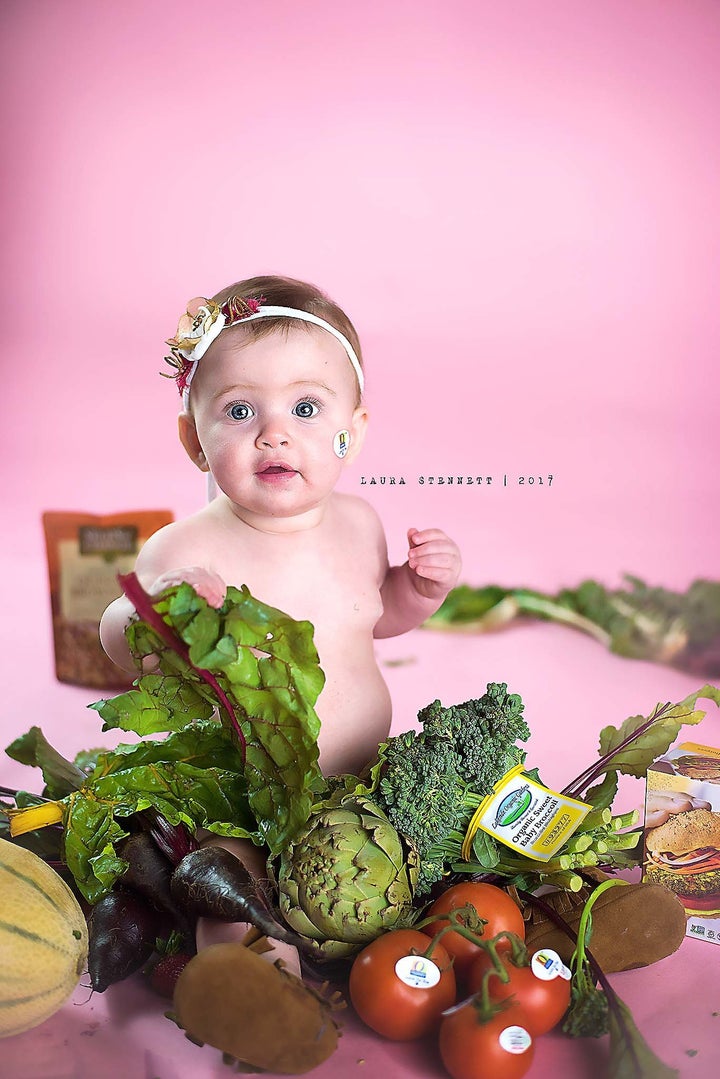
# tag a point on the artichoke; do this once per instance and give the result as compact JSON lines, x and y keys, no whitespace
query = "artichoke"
{"x":347,"y":878}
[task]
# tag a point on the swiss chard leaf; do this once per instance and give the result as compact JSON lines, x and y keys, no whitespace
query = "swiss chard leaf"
{"x":190,"y":778}
{"x":258,"y":666}
{"x":205,"y":744}
{"x":632,"y":747}
{"x":60,"y":775}
{"x":158,"y":703}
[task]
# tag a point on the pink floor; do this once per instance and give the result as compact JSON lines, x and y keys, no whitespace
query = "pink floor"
{"x":571,"y":688}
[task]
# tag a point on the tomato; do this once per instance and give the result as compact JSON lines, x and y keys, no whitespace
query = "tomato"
{"x":386,"y":1002}
{"x":491,"y":903}
{"x":499,"y":1048}
{"x":544,"y":1000}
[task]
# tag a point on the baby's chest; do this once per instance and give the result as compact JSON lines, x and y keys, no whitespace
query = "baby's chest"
{"x":329,"y":587}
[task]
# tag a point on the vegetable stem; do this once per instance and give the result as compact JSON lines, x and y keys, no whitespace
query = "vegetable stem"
{"x":581,"y":782}
{"x":535,"y":603}
{"x":39,"y":816}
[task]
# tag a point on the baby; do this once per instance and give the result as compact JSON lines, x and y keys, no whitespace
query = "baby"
{"x":271,"y":378}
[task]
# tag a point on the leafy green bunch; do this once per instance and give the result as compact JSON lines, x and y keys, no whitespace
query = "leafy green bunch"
{"x":430,"y":781}
{"x":603,"y":839}
{"x":233,"y":691}
{"x":638,"y":621}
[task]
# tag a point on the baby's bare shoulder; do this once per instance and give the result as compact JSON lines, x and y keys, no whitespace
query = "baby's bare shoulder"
{"x":180,"y":543}
{"x":357,"y":511}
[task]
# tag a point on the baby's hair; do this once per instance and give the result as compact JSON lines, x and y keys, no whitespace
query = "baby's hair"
{"x":289,"y":292}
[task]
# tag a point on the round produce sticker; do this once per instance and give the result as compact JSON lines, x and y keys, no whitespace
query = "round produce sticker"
{"x":417,"y":971}
{"x":547,"y":964}
{"x":515,"y":1040}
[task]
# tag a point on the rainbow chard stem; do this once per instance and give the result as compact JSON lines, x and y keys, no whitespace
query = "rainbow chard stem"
{"x":580,"y":784}
{"x":143,"y":604}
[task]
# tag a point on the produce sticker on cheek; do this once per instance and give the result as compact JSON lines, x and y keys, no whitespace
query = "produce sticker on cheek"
{"x":341,"y":443}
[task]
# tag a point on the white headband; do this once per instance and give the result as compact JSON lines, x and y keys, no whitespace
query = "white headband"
{"x":204,"y":321}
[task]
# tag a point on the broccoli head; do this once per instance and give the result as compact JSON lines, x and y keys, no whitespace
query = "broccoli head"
{"x":422,"y":793}
{"x":432,"y":781}
{"x":483,"y":733}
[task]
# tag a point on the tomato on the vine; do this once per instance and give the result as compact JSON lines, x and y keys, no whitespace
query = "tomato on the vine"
{"x":542,"y":989}
{"x":473,"y":1047}
{"x":501,"y":913}
{"x":402,"y":1002}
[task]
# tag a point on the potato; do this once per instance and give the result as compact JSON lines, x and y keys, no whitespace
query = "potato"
{"x":229,"y":997}
{"x":633,"y":925}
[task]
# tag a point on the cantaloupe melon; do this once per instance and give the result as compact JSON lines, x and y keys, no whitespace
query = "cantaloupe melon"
{"x":43,"y":940}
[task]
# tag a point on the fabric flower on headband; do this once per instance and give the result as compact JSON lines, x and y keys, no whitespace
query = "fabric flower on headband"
{"x":198,"y":328}
{"x":204,"y":320}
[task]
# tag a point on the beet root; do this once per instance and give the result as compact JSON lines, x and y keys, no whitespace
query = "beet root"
{"x":229,"y":997}
{"x":213,"y":883}
{"x":122,"y":930}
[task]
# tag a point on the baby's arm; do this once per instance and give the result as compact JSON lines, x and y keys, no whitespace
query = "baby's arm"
{"x":413,"y":591}
{"x":162,"y":550}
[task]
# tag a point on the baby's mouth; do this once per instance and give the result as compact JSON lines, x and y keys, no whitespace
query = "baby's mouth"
{"x":277,"y":470}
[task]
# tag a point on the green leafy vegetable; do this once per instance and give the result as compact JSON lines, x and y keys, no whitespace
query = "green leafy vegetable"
{"x":253,"y":774}
{"x":681,"y":629}
{"x":257,"y":666}
{"x":632,"y":747}
{"x":192,"y":777}
{"x":429,"y":783}
{"x":60,"y":775}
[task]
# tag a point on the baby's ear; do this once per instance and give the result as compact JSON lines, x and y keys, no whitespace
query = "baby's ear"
{"x":358,"y":426}
{"x":191,"y":442}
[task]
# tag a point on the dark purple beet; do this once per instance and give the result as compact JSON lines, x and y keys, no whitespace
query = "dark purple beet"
{"x":122,"y":928}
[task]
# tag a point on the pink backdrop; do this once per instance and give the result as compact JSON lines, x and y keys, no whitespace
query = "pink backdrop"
{"x":517,"y":203}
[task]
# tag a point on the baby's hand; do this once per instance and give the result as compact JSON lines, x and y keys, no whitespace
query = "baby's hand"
{"x":434,"y":562}
{"x":206,"y":583}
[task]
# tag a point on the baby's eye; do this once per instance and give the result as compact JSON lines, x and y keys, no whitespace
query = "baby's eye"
{"x":306,"y":409}
{"x":240,"y":411}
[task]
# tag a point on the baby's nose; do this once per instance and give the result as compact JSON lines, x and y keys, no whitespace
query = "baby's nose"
{"x":272,"y":434}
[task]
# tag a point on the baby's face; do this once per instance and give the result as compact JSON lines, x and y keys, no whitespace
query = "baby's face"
{"x":265,"y":414}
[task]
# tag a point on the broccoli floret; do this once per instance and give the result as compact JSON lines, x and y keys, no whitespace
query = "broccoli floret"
{"x":483,"y":733}
{"x":422,"y":792}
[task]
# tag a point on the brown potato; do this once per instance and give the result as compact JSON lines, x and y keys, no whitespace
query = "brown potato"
{"x":633,"y":925}
{"x":229,"y":997}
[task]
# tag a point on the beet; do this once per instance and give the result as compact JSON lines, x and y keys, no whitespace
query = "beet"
{"x":212,"y":883}
{"x":122,"y":928}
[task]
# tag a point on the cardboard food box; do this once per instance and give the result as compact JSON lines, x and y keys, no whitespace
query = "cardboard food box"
{"x":684,"y":852}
